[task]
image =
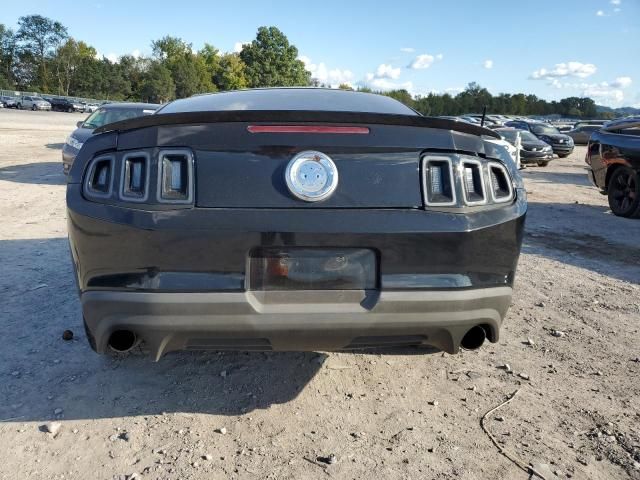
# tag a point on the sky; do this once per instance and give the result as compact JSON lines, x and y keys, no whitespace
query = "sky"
{"x":553,"y":49}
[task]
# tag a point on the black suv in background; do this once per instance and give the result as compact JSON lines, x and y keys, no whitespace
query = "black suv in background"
{"x":64,"y":105}
{"x":562,"y":144}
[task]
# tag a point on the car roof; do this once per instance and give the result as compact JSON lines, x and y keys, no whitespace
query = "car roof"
{"x":621,"y":123}
{"x":288,"y":99}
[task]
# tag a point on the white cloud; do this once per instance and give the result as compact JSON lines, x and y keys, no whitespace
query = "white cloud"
{"x":439,"y":56}
{"x":323,"y":74}
{"x":611,"y":95}
{"x":615,"y":2}
{"x":136,"y":53}
{"x":569,"y":69}
{"x":454,"y":90}
{"x":488,"y":64}
{"x":421,"y":62}
{"x":237,"y":47}
{"x":600,"y":13}
{"x":621,"y":82}
{"x":408,"y":49}
{"x":385,"y":84}
{"x":387,"y":71}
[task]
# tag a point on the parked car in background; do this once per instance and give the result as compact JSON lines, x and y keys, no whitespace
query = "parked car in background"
{"x":108,"y":113}
{"x":613,"y":159}
{"x":293,"y":219}
{"x":89,"y":107}
{"x":582,"y":133}
{"x":534,"y":150}
{"x":561,"y":144}
{"x":64,"y":105}
{"x":590,"y":122}
{"x":9,"y":102}
{"x":30,"y":102}
{"x":563,"y":127}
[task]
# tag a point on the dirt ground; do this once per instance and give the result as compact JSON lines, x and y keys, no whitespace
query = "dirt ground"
{"x":383,"y":414}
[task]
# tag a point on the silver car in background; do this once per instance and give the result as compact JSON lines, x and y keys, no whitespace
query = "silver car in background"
{"x":30,"y":102}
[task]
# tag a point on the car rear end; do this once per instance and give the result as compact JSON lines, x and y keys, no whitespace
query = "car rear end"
{"x":536,"y":153}
{"x":186,"y":235}
{"x":562,"y":145}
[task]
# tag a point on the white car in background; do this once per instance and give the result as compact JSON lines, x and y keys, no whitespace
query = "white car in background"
{"x":514,"y":152}
{"x":90,"y":107}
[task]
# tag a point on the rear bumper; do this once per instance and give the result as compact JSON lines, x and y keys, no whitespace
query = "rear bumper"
{"x":177,"y":278}
{"x":532,"y":157}
{"x":562,"y":149}
{"x":302,"y":320}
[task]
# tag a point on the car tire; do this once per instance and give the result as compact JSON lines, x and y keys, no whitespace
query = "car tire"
{"x":563,"y":155}
{"x":623,"y":192}
{"x":70,"y":110}
{"x":33,"y":108}
{"x":543,"y":163}
{"x":19,"y":106}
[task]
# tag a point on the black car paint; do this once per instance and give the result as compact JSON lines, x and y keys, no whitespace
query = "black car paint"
{"x":242,"y":204}
{"x":608,"y":150}
{"x":64,"y":105}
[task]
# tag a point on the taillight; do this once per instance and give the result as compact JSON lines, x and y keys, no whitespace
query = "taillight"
{"x":473,"y":182}
{"x":134,"y":182}
{"x":98,"y":181}
{"x":501,"y":188}
{"x":175,"y":176}
{"x":454,"y":180}
{"x":437,"y":181}
{"x":142,"y":177}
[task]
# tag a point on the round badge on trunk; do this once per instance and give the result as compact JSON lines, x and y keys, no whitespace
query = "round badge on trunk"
{"x":311,"y":176}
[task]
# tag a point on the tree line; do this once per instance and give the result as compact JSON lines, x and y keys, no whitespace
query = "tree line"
{"x":40,"y":56}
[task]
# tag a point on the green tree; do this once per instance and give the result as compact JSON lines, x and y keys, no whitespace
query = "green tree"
{"x":189,"y":71}
{"x":67,"y":59}
{"x":169,"y":47}
{"x":271,"y":61}
{"x":231,"y":73}
{"x":8,"y":52}
{"x":158,"y":85}
{"x":39,"y":36}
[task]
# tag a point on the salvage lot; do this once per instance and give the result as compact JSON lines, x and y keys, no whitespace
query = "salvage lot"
{"x":400,"y":413}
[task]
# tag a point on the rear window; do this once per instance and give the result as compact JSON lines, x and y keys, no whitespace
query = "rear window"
{"x":103,"y":116}
{"x":319,"y":99}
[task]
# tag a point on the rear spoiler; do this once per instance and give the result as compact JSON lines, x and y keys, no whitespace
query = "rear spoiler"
{"x":294,"y":116}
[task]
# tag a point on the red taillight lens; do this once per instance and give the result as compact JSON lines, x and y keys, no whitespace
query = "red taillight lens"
{"x":307,"y":129}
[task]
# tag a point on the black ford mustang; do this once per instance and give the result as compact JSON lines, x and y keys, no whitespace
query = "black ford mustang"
{"x":293,"y":219}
